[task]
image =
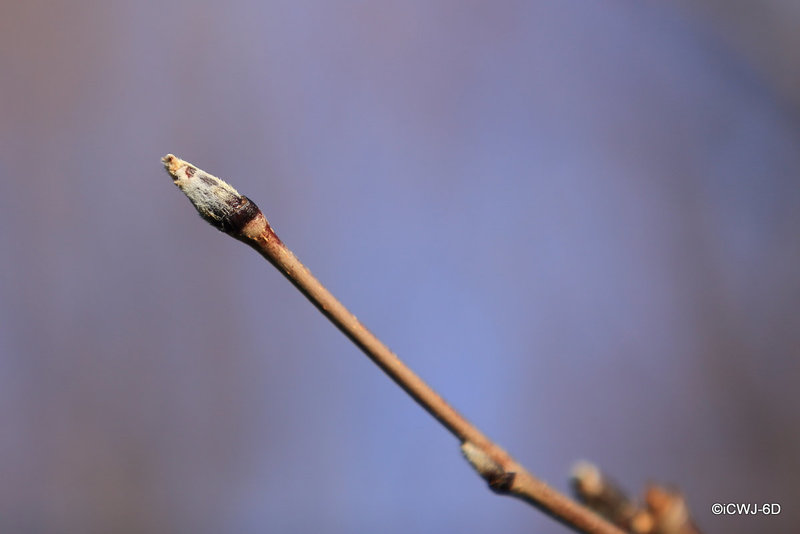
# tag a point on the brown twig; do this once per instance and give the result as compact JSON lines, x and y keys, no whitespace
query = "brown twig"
{"x":662,"y":511}
{"x":223,"y":207}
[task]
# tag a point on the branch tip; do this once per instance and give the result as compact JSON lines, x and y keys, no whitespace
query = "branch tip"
{"x":171,"y":163}
{"x":217,"y":202}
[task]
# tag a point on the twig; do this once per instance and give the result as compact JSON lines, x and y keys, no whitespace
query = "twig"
{"x":224,"y":208}
{"x":662,"y":511}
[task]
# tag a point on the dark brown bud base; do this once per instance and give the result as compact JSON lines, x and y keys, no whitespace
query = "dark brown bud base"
{"x":243,"y":211}
{"x":501,"y":483}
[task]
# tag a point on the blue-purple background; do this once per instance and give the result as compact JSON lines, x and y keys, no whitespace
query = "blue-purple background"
{"x":577,"y":220}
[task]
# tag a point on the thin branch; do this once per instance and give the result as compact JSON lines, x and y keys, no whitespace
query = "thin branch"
{"x":661,"y":511}
{"x":236,"y":215}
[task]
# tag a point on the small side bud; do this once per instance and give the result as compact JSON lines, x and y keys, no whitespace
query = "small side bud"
{"x":587,"y":480}
{"x":217,"y":202}
{"x":499,"y":480}
{"x":602,"y":495}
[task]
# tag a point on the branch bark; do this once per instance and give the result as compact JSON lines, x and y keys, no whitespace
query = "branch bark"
{"x":224,"y":208}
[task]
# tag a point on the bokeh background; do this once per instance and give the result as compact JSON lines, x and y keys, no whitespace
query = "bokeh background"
{"x":577,"y":220}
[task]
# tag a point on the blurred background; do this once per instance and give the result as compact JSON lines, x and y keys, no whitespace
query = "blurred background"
{"x":577,"y":220}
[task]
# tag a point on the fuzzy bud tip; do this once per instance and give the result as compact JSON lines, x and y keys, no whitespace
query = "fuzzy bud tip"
{"x":216,"y":201}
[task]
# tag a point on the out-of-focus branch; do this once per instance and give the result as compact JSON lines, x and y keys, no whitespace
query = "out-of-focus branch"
{"x":662,"y":511}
